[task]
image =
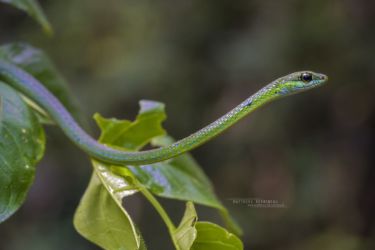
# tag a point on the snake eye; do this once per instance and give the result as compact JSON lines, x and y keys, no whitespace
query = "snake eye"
{"x":306,"y":77}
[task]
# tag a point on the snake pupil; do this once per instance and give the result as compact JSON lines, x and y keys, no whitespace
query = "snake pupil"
{"x":306,"y":77}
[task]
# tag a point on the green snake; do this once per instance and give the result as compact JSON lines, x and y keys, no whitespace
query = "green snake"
{"x":34,"y":90}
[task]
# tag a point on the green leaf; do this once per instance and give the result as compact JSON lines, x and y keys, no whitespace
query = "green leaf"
{"x":194,"y":235}
{"x":103,"y":199}
{"x":213,"y":237}
{"x":22,"y":144}
{"x":101,"y":219}
{"x":32,"y":8}
{"x":179,"y":178}
{"x":186,"y":233}
{"x":133,"y":135}
{"x":37,"y":63}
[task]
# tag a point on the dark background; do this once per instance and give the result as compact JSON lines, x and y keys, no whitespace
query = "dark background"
{"x":313,"y":151}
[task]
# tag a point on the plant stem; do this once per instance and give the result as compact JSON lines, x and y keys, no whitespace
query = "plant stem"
{"x":163,"y":214}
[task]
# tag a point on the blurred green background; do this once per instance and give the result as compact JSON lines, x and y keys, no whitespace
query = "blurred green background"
{"x":314,"y":151}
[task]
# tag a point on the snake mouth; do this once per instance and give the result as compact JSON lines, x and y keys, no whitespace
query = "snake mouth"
{"x":316,"y":83}
{"x":312,"y":84}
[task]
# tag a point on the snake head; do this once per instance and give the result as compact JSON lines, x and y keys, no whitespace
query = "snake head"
{"x":300,"y":81}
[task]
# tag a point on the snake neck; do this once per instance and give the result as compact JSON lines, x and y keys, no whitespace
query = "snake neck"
{"x":263,"y":96}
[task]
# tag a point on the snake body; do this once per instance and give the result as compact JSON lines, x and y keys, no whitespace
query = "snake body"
{"x":34,"y":90}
